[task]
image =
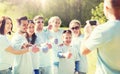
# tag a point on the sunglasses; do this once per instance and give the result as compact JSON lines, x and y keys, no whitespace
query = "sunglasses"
{"x":67,"y":31}
{"x":76,"y":28}
{"x":40,"y":22}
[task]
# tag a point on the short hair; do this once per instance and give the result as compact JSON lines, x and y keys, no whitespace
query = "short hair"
{"x":67,"y":32}
{"x":21,"y":18}
{"x":76,"y":22}
{"x":50,"y":20}
{"x":3,"y":22}
{"x":37,"y":17}
{"x":54,"y":18}
{"x":115,"y":4}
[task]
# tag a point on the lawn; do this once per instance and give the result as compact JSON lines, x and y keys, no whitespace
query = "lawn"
{"x":91,"y":62}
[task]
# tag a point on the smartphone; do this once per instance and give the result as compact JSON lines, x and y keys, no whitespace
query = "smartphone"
{"x":93,"y":22}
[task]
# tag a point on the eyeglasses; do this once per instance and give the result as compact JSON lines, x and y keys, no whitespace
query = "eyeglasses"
{"x":40,"y":22}
{"x":76,"y":28}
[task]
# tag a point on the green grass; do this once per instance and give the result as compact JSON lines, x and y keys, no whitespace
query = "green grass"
{"x":92,"y":62}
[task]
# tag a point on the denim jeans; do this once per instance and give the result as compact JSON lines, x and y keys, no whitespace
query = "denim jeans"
{"x":45,"y":70}
{"x":6,"y":71}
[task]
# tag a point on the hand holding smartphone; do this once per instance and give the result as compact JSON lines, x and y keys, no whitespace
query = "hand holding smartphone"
{"x":92,"y":22}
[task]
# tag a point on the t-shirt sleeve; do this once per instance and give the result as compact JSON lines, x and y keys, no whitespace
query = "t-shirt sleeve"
{"x":4,"y":43}
{"x":17,"y":43}
{"x":96,"y":39}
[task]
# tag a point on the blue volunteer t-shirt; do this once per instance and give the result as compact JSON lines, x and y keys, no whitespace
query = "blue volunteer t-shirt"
{"x":105,"y":38}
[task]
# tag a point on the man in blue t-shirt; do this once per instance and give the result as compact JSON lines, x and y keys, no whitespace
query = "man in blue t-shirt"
{"x":105,"y":38}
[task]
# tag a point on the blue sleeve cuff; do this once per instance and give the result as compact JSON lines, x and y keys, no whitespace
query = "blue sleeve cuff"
{"x":60,"y":55}
{"x":77,"y":65}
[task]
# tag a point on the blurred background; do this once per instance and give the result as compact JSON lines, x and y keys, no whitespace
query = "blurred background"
{"x":66,"y":9}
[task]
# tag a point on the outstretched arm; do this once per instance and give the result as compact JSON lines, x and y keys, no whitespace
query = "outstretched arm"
{"x":16,"y":52}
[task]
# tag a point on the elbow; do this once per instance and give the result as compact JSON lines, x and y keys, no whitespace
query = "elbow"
{"x":85,"y":52}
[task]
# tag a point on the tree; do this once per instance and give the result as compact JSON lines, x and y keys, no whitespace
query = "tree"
{"x":67,"y":10}
{"x":97,"y":14}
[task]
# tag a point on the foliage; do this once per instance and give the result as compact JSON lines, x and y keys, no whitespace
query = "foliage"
{"x":65,"y":9}
{"x":98,"y":14}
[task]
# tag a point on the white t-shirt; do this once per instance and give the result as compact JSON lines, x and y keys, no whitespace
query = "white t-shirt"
{"x":23,"y":62}
{"x":67,"y":66}
{"x":6,"y":58}
{"x":76,"y":42}
{"x":55,"y":35}
{"x":35,"y":59}
{"x":44,"y":58}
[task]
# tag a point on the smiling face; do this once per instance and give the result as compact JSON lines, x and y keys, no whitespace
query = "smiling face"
{"x":39,"y":24}
{"x":67,"y":36}
{"x":75,"y":28}
{"x":23,"y":26}
{"x":55,"y":21}
{"x":30,"y":29}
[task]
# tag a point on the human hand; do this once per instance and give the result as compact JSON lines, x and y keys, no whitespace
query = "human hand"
{"x":67,"y":55}
{"x":35,"y":49}
{"x":87,"y":29}
{"x":49,"y":45}
{"x":26,"y":45}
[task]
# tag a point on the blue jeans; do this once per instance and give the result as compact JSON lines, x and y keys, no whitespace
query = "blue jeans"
{"x":6,"y":71}
{"x":36,"y":71}
{"x":45,"y":70}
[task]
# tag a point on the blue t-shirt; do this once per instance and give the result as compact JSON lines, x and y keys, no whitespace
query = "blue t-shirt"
{"x":105,"y":38}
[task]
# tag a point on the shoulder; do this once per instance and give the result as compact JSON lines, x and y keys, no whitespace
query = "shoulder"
{"x":81,"y":36}
{"x":16,"y":35}
{"x":61,"y":30}
{"x":4,"y":42}
{"x":2,"y":38}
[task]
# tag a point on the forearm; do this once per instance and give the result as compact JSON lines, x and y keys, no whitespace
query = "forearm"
{"x":22,"y":51}
{"x":16,"y":52}
{"x":84,"y":49}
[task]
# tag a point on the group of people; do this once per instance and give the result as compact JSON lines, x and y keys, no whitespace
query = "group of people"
{"x":35,"y":50}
